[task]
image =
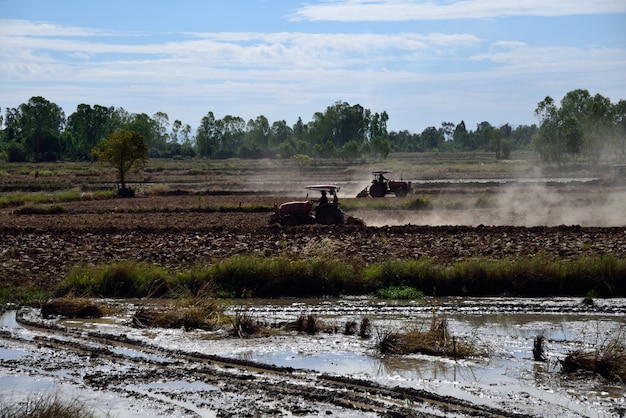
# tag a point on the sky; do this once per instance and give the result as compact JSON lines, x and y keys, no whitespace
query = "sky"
{"x":423,"y":62}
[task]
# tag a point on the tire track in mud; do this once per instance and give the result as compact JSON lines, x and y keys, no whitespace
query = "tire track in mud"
{"x":275,"y":390}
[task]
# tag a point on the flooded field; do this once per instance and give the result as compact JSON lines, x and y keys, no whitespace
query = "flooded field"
{"x":128,"y":372}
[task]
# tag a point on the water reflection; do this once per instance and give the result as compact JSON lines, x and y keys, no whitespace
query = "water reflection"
{"x":504,"y":327}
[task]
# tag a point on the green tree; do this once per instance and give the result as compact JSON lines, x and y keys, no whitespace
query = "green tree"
{"x":88,"y":126}
{"x":461,"y":137}
{"x":232,"y":131}
{"x":501,"y":143}
{"x":380,"y":146}
{"x":431,"y":138}
{"x":207,"y":141}
{"x":447,"y":130}
{"x":152,"y":131}
{"x":37,"y":127}
{"x":583,"y":123}
{"x":403,"y":141}
{"x":549,"y":142}
{"x":281,"y":133}
{"x":350,"y":151}
{"x":483,"y":137}
{"x":598,"y":126}
{"x":342,"y":123}
{"x":123,"y":150}
{"x":257,"y":137}
{"x":619,"y":119}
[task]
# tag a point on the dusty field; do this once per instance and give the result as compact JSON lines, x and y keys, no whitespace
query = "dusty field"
{"x":172,"y":231}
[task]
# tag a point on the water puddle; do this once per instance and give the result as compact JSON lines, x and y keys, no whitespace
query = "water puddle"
{"x":504,"y":328}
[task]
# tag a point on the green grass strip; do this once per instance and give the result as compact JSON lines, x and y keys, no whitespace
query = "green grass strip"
{"x":281,"y":276}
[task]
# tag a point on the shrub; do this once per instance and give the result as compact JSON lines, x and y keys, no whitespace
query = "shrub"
{"x":399,"y":292}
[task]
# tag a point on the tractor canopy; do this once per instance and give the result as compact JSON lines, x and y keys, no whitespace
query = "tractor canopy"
{"x":330,"y":189}
{"x":325,"y":187}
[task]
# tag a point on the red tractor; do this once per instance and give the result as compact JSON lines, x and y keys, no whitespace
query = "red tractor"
{"x":381,"y":186}
{"x":324,"y":210}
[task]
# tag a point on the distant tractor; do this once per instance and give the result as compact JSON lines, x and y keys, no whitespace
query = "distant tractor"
{"x":325,"y":210}
{"x":381,"y":186}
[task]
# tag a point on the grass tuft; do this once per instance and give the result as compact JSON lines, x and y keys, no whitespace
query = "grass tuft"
{"x":244,"y":324}
{"x":47,"y":405}
{"x":197,"y":313}
{"x":607,"y":360}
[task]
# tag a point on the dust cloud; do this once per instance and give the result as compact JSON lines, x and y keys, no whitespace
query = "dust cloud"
{"x":514,"y":204}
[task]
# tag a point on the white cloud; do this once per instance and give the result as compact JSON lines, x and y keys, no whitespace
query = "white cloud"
{"x":235,"y":50}
{"x":420,"y":79}
{"x":407,"y":10}
{"x":19,"y":28}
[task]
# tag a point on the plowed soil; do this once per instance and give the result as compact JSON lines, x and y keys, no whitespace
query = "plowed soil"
{"x":174,"y":231}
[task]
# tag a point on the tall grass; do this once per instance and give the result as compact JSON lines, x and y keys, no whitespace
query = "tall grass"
{"x":23,"y":295}
{"x":255,"y":276}
{"x":125,"y":279}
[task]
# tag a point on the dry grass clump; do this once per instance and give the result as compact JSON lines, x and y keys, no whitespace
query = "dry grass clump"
{"x":349,"y":327}
{"x":364,"y":328}
{"x":607,"y":361}
{"x":69,"y":307}
{"x":390,"y":342}
{"x":46,"y":406}
{"x":244,"y":325}
{"x":436,"y":341}
{"x":200,"y":313}
{"x":306,"y":324}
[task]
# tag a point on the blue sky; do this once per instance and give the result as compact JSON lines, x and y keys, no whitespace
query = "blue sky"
{"x":424,"y":62}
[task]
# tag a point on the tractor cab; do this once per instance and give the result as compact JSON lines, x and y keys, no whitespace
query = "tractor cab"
{"x":379,"y":176}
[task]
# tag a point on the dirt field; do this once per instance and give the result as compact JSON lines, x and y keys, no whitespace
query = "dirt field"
{"x":175,"y":232}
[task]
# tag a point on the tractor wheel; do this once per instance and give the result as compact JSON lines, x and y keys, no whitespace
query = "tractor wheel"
{"x":330,"y":216}
{"x":289,"y":220}
{"x":400,"y":192}
{"x":378,"y":189}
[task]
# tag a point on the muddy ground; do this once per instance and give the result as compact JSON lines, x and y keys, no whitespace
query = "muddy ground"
{"x":182,"y":382}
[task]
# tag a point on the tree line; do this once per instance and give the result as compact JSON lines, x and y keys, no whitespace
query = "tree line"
{"x":39,"y":130}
